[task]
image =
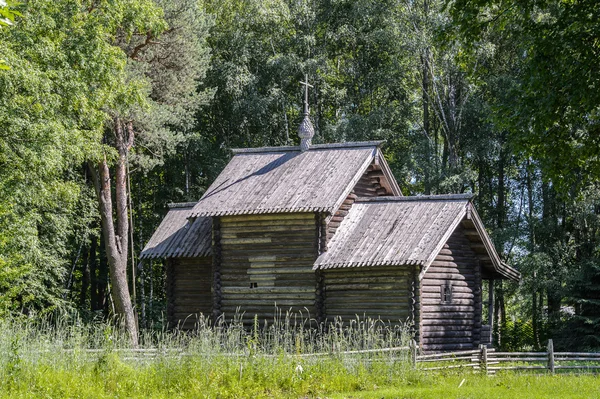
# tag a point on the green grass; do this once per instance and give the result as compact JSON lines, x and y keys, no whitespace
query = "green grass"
{"x":51,"y":360}
{"x":508,"y":385}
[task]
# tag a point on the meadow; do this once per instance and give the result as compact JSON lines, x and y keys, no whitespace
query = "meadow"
{"x":71,"y":359}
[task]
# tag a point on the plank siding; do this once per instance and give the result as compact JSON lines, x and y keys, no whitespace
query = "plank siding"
{"x":453,"y":324}
{"x":372,"y":292}
{"x":266,"y":262}
{"x":189,"y":282}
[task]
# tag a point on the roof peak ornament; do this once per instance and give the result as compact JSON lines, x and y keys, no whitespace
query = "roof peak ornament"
{"x":306,"y":131}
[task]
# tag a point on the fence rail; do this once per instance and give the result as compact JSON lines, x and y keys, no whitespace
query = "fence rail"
{"x":490,"y":361}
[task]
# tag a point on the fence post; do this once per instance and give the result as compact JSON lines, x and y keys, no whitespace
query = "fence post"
{"x":550,"y":356}
{"x":483,"y":361}
{"x":413,"y":353}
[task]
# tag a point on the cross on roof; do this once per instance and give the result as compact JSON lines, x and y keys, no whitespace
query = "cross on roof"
{"x":306,"y":86}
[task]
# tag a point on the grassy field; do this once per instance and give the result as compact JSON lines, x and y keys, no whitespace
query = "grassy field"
{"x":53,"y":360}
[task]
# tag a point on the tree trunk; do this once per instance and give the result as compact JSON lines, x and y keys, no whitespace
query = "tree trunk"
{"x":85,"y":278}
{"x":93,"y":274}
{"x":426,"y":125}
{"x":501,"y":211}
{"x":116,"y":241}
{"x":532,"y":248}
{"x":102,"y":278}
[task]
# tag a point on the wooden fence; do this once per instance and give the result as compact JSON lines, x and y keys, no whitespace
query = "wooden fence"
{"x":489,"y":361}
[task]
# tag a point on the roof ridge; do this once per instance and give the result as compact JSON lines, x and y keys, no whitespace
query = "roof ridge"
{"x":441,"y":197}
{"x":352,"y":144}
{"x":172,"y":205}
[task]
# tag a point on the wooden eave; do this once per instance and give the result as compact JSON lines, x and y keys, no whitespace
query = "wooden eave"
{"x":390,"y":181}
{"x":491,"y":257}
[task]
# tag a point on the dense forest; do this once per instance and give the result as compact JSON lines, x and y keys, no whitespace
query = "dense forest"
{"x":109,"y":110}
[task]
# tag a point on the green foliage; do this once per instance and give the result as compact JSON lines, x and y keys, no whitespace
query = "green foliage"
{"x":552,"y":109}
{"x":66,"y":72}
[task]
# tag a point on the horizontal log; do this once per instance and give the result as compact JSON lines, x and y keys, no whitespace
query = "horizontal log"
{"x":382,"y":303}
{"x":455,"y":295}
{"x":396,"y":295}
{"x":455,"y":262}
{"x":448,"y":309}
{"x":272,"y":231}
{"x":451,"y":270}
{"x":281,"y":255}
{"x":445,"y":316}
{"x":254,"y":303}
{"x":290,"y":249}
{"x":455,"y":283}
{"x":366,"y":287}
{"x":274,"y":239}
{"x":367,"y":271}
{"x":244,"y":265}
{"x":449,"y":276}
{"x":185,"y":297}
{"x":248,"y":240}
{"x":191,"y":263}
{"x":198,"y":284}
{"x":455,"y":302}
{"x":459,"y":287}
{"x":446,"y":340}
{"x":373,"y":314}
{"x":447,"y":328}
{"x":365,"y":279}
{"x":268,"y":216}
{"x":266,"y":290}
{"x":281,"y":270}
{"x":291,"y":223}
{"x":301,"y":297}
{"x":459,"y":258}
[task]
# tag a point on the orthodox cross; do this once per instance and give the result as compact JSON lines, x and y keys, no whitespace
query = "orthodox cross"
{"x":306,"y":86}
{"x":306,"y":131}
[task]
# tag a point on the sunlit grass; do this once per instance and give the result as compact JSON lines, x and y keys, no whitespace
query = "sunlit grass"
{"x":283,"y":358}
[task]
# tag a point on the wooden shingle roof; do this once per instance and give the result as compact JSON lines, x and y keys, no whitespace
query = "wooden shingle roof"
{"x":284,"y":179}
{"x":177,"y":236}
{"x":399,"y":231}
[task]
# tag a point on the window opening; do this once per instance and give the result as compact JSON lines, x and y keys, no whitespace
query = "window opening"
{"x":447,"y":293}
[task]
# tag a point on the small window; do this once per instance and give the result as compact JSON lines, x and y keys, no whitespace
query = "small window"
{"x":253,"y":285}
{"x":447,"y":293}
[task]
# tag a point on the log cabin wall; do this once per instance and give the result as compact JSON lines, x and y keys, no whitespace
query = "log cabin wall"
{"x":337,"y":218}
{"x":267,"y":260}
{"x":371,"y":184}
{"x":375,"y":292}
{"x":451,"y":298}
{"x":189,"y":295}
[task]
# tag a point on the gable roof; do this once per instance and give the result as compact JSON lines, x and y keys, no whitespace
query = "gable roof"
{"x":285,"y":179}
{"x":177,"y":236}
{"x":388,"y":231}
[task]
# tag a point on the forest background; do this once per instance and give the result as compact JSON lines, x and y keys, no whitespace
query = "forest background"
{"x":109,"y":110}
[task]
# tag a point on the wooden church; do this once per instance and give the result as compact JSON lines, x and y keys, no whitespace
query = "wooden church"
{"x":324,"y":230}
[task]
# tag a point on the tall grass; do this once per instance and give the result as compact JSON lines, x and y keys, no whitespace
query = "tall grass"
{"x":288,"y":356}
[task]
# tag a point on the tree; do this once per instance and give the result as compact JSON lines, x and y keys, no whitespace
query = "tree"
{"x":166,"y":59}
{"x":51,"y":119}
{"x":552,"y":110}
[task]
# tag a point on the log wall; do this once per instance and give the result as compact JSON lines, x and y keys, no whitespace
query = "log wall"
{"x":375,"y":292}
{"x":369,"y":185}
{"x":189,"y":295}
{"x":455,"y":324}
{"x":266,"y":260}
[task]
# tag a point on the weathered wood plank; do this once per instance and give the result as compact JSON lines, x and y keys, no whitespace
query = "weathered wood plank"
{"x":226,"y":220}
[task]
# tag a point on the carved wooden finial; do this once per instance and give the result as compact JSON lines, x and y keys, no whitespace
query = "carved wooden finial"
{"x":306,"y":131}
